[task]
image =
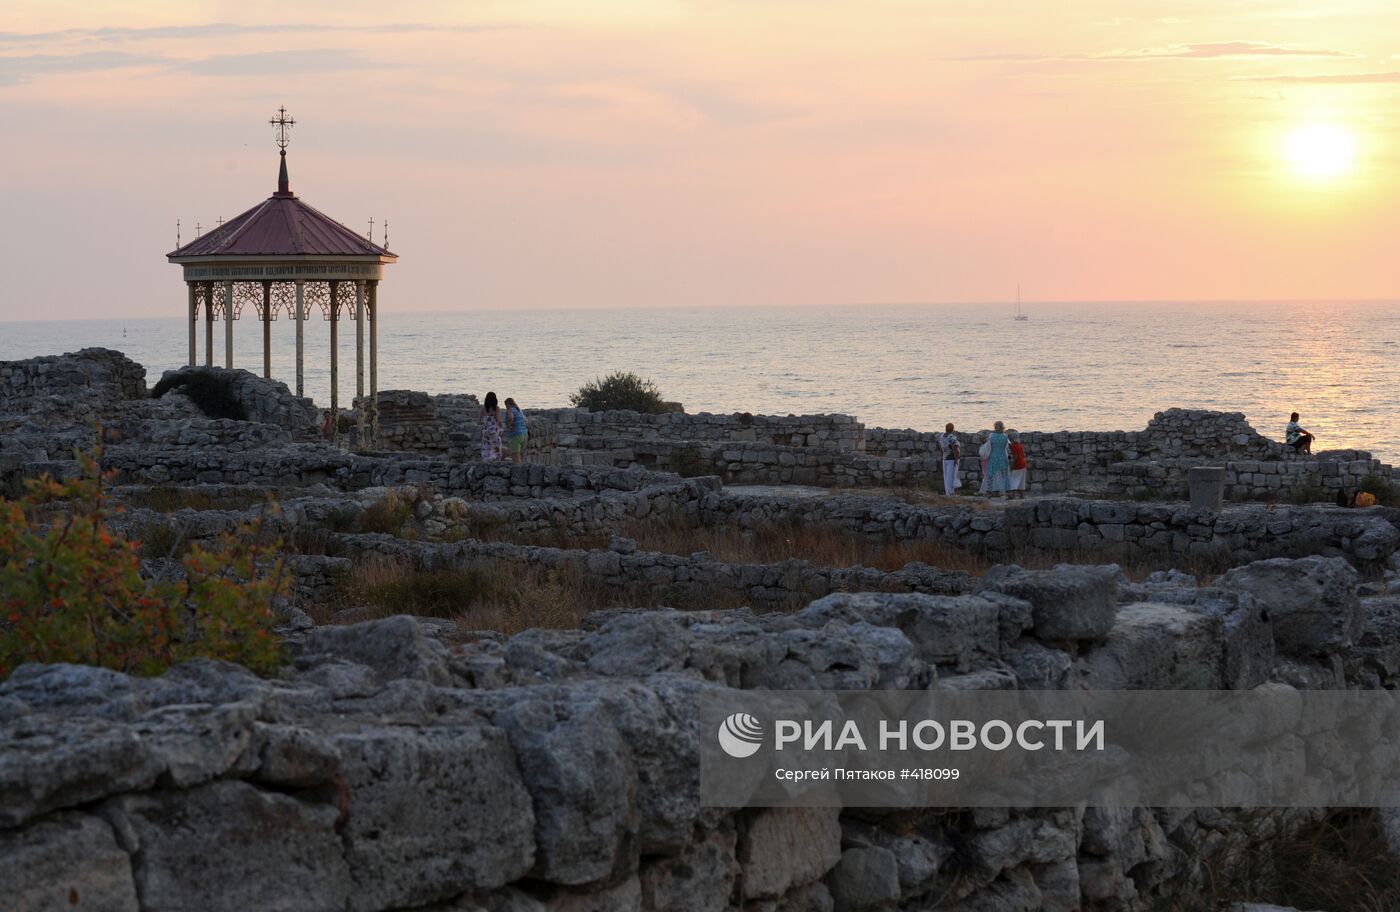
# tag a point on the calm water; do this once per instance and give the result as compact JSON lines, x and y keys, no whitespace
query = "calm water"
{"x":1071,"y":366}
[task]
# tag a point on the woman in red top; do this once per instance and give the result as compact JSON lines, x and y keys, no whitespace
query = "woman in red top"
{"x":1017,"y":453}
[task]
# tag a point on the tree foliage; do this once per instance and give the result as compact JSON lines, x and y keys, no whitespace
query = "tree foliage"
{"x":71,"y":591}
{"x":620,"y":390}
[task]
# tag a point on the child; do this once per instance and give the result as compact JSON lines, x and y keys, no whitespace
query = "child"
{"x":1018,"y":466}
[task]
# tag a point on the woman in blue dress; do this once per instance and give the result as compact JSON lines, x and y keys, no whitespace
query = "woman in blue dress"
{"x":998,"y":465}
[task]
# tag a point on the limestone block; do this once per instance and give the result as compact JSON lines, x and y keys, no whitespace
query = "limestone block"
{"x":65,"y":861}
{"x":579,"y":773}
{"x":394,"y":648}
{"x":784,"y":848}
{"x":432,"y":812}
{"x":1158,"y":647}
{"x":700,"y":879}
{"x":1069,"y":602}
{"x":866,"y":877}
{"x":229,"y":846}
{"x":958,"y":631}
{"x":1312,"y":601}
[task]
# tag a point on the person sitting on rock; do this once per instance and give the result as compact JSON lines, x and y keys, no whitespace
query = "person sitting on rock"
{"x":1298,"y":437}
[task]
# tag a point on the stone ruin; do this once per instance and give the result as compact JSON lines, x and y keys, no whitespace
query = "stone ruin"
{"x":412,"y":764}
{"x":262,"y":401}
{"x":387,"y":769}
{"x":837,"y":451}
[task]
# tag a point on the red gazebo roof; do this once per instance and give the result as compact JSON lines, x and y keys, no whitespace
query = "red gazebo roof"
{"x":281,"y":225}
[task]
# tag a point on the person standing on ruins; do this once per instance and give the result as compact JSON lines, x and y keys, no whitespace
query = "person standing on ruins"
{"x":1017,"y":455}
{"x":952,"y":453}
{"x":998,"y":471}
{"x":517,"y":431}
{"x":983,"y":452}
{"x":490,"y":429}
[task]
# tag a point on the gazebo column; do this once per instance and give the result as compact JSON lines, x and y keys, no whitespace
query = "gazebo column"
{"x":335,"y":362}
{"x":372,"y":304}
{"x":194,"y":324}
{"x":301,"y":322}
{"x":208,"y":324}
{"x":267,"y":330}
{"x":360,"y":363}
{"x":228,"y":324}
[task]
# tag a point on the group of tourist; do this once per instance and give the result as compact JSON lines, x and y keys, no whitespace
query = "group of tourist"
{"x":503,"y":430}
{"x":1003,"y":461}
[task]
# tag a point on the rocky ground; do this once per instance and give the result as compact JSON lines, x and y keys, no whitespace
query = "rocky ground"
{"x":405,"y":762}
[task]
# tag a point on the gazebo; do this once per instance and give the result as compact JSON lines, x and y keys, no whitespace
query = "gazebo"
{"x":283,"y":256}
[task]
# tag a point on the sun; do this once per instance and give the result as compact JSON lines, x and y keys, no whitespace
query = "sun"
{"x":1321,"y":150}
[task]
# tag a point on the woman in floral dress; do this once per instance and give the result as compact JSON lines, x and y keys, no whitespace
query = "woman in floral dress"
{"x":491,"y":445}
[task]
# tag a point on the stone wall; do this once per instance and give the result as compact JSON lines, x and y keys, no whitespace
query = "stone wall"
{"x":1246,"y":479}
{"x":1171,"y":533}
{"x":246,"y":455}
{"x":557,"y":771}
{"x":1174,"y":433}
{"x":449,"y":424}
{"x":1158,"y":478}
{"x":92,"y":376}
{"x":408,"y":421}
{"x":834,"y":432}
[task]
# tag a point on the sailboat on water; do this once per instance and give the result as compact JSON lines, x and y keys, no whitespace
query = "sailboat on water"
{"x":1021,"y":316}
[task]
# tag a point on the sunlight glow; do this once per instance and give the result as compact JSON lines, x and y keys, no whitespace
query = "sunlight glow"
{"x":1321,"y":150}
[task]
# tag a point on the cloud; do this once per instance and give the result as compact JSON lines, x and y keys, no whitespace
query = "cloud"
{"x":266,"y":63}
{"x":1208,"y":50}
{"x":15,"y":70}
{"x":1014,"y":58}
{"x":1329,"y":78}
{"x":225,"y":29}
{"x":1216,"y":49}
{"x":723,"y":105}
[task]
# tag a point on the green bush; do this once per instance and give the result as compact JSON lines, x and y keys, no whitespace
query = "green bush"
{"x":620,"y":391}
{"x":71,"y":591}
{"x":212,"y":393}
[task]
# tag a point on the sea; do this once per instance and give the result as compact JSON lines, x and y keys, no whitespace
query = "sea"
{"x":1069,"y":366}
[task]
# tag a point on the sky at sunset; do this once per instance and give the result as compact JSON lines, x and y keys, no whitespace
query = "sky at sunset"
{"x":601,"y":153}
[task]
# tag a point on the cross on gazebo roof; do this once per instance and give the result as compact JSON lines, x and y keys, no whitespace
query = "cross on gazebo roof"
{"x":282,"y":123}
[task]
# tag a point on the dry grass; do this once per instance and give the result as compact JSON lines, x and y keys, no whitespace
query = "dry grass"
{"x":1341,"y":863}
{"x":494,"y":595}
{"x":169,"y":499}
{"x":389,"y":514}
{"x":821,"y":545}
{"x":922,"y":496}
{"x":825,"y":546}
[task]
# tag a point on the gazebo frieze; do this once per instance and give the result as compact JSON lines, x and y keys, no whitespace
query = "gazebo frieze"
{"x":284,"y":272}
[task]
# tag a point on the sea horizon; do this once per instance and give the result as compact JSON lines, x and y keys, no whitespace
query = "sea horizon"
{"x":1072,"y":366}
{"x":610,"y":308}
